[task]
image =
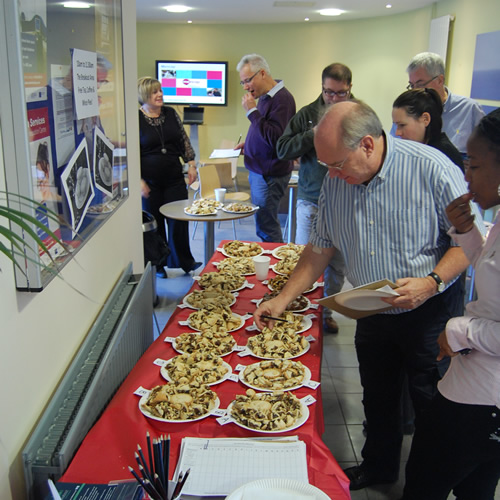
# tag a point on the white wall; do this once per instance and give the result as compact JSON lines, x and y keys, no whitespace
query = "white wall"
{"x":41,"y":332}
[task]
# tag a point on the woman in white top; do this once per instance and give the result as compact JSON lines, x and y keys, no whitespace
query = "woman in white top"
{"x":456,"y":446}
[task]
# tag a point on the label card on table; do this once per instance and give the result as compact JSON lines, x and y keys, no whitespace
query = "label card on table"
{"x":140,"y":391}
{"x":308,"y":400}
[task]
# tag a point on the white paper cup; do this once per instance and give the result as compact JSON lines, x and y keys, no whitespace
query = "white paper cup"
{"x":261,"y":263}
{"x":220,"y":194}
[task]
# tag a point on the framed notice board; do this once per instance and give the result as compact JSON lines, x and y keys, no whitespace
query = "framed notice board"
{"x":63,"y":123}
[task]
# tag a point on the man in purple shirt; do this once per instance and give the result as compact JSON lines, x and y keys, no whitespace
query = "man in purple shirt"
{"x":268,"y":175}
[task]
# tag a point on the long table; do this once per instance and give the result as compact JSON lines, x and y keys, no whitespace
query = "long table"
{"x":109,"y":447}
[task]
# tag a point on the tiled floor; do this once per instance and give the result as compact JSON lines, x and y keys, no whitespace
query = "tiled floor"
{"x":339,"y":379}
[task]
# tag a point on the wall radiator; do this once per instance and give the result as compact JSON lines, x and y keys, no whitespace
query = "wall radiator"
{"x":118,"y":338}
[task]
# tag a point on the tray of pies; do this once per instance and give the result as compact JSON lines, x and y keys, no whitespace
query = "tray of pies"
{"x":275,"y":375}
{"x":277,"y":343}
{"x":294,"y":322}
{"x":288,"y":250}
{"x":277,"y":283}
{"x":216,"y":319}
{"x":209,"y":297}
{"x":225,"y":281}
{"x":200,"y":367}
{"x":220,"y":343}
{"x":203,"y":207}
{"x":238,"y":248}
{"x":239,"y":208}
{"x":298,"y":305}
{"x":176,"y":402}
{"x":236,"y":265}
{"x":285,"y":266}
{"x":269,"y":412}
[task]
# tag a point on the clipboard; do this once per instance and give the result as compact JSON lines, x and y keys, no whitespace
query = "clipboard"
{"x":332,"y":300}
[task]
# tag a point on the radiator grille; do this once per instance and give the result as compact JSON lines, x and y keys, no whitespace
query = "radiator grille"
{"x":119,"y":336}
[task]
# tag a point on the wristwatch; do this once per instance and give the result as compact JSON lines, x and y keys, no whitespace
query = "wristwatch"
{"x":438,"y":280}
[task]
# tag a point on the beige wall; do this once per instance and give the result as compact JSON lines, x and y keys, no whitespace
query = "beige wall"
{"x":377,"y":50}
{"x":40,"y":332}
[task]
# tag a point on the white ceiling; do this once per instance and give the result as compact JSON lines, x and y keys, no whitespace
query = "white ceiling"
{"x":270,"y":11}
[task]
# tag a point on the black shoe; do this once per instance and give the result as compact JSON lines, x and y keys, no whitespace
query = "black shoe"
{"x":330,"y":325}
{"x":192,"y":267}
{"x":161,"y":273}
{"x":361,"y":478}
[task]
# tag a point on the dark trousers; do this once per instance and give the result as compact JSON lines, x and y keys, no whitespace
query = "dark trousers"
{"x":388,"y":346}
{"x":455,"y":447}
{"x":178,"y":231}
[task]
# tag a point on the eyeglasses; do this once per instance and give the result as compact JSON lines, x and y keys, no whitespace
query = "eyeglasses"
{"x":248,"y":80}
{"x":419,"y":84}
{"x":333,"y":93}
{"x":334,"y":166}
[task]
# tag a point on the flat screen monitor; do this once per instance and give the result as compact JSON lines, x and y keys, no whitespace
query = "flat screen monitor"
{"x":193,"y":83}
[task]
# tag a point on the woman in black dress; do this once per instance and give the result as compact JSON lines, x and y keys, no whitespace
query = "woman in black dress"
{"x":417,"y":116}
{"x":163,"y":142}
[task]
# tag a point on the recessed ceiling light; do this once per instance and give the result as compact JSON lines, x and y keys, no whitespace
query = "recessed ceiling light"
{"x":331,"y":12}
{"x":190,"y":22}
{"x":388,"y":6}
{"x":179,"y":9}
{"x":306,"y":19}
{"x":76,"y":5}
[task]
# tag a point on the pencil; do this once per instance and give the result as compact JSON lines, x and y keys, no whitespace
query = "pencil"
{"x":151,"y":465}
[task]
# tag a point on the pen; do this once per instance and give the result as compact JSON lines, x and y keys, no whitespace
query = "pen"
{"x":239,"y":139}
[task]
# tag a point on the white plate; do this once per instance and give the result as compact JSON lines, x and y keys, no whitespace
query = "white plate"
{"x":277,"y":488}
{"x":291,"y":357}
{"x":216,"y":264}
{"x":309,"y":290}
{"x":364,"y":300}
{"x":301,"y":421}
{"x":275,"y":252}
{"x":223,"y":251}
{"x":176,"y":349}
{"x":294,"y":311}
{"x":186,"y":211}
{"x":305,"y":380}
{"x":242,"y":322}
{"x":187,"y":304}
{"x":306,"y":324}
{"x":166,"y":376}
{"x":252,"y":207}
{"x":245,"y":284}
{"x":159,"y":419}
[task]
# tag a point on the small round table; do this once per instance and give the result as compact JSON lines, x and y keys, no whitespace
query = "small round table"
{"x":175,"y":210}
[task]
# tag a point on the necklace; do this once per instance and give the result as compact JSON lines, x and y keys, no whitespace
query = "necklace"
{"x":156,"y":121}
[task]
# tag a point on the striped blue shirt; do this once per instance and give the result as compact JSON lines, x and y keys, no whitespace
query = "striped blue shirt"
{"x":395,"y":226}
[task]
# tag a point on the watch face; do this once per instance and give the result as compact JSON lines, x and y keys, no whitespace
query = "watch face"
{"x":440,"y":286}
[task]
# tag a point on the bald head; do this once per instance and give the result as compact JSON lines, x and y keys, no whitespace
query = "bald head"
{"x":350,"y":131}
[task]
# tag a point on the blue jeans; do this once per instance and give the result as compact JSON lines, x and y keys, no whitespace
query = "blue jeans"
{"x":334,"y":274}
{"x":267,"y":192}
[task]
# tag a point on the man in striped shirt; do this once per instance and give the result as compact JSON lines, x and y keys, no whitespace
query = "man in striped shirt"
{"x":383,"y":206}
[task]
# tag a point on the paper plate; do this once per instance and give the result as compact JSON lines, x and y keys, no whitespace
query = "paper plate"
{"x":187,"y":304}
{"x":242,"y":322}
{"x":177,"y":349}
{"x":166,"y":376}
{"x":277,"y":489}
{"x":159,"y":419}
{"x":276,"y":252}
{"x":307,"y":305}
{"x":305,"y":325}
{"x":227,"y":208}
{"x":300,"y":421}
{"x":301,"y":353}
{"x":188,"y":212}
{"x":364,"y":300}
{"x":305,"y":380}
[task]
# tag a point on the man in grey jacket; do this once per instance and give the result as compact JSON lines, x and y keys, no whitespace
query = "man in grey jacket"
{"x":297,"y":142}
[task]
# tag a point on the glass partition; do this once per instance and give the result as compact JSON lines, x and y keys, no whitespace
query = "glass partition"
{"x":63,"y":124}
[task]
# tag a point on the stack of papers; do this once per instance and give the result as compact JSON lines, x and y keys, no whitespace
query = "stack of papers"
{"x":219,"y":466}
{"x":225,"y":153}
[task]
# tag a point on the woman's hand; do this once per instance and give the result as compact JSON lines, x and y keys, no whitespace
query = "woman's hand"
{"x":192,"y":174}
{"x":145,"y":190}
{"x":444,"y":348}
{"x":459,"y":213}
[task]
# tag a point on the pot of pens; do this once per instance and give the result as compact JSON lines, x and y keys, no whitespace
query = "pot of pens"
{"x":153,"y":466}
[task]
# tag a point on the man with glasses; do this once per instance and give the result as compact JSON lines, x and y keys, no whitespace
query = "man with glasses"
{"x":297,"y":142}
{"x":383,"y":206}
{"x":268,"y":175}
{"x":460,"y":114}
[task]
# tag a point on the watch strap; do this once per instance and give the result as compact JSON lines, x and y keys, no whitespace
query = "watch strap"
{"x":438,"y":280}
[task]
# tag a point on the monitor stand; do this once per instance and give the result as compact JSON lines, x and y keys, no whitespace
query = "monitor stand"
{"x":193,"y":116}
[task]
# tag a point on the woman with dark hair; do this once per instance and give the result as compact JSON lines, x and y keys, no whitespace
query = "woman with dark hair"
{"x":163,"y":142}
{"x":457,"y":442}
{"x":417,"y":116}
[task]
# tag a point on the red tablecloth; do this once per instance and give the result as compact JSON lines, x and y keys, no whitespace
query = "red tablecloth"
{"x":109,"y":447}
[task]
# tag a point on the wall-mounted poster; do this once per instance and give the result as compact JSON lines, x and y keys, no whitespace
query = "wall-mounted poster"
{"x":103,"y":162}
{"x":77,"y":183}
{"x":486,"y":73}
